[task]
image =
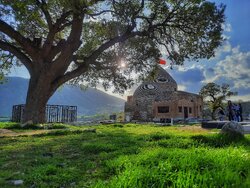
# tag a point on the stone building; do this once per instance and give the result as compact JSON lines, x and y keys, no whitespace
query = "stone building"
{"x":159,"y":100}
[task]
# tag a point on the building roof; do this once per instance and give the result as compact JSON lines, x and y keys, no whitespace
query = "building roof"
{"x":155,"y":85}
{"x":188,"y":93}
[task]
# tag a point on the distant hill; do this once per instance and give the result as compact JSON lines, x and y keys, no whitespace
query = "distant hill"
{"x":89,"y":102}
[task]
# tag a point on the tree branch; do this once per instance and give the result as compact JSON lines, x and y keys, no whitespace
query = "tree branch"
{"x":46,"y":13}
{"x":22,"y":41}
{"x":70,"y":75}
{"x":73,"y":40}
{"x":99,"y":13}
{"x":71,"y":45}
{"x":62,"y":19}
{"x":128,"y":34}
{"x":17,"y":52}
{"x":91,"y":59}
{"x":141,"y":7}
{"x":57,"y":27}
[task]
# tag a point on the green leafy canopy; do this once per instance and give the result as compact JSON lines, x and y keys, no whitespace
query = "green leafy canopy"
{"x":87,"y":39}
{"x":214,"y":95}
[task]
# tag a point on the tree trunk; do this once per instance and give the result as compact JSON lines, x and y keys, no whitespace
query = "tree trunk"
{"x":214,"y":110}
{"x":213,"y":115}
{"x":39,"y":92}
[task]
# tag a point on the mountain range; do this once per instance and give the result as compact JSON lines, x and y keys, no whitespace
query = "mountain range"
{"x":89,"y":102}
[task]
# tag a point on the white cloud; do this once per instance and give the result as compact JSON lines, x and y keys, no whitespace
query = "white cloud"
{"x":225,"y":48}
{"x":241,"y":97}
{"x":235,"y":68}
{"x":211,"y":79}
{"x":182,"y":87}
{"x":236,"y":50}
{"x":227,"y":27}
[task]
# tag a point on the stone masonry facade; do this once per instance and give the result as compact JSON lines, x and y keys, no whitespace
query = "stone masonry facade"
{"x":158,"y":99}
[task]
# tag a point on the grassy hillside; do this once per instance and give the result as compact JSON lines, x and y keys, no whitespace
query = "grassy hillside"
{"x":123,"y":156}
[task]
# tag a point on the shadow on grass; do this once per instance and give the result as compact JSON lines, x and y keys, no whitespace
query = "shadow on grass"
{"x":17,"y":126}
{"x":221,"y":140}
{"x":60,"y":133}
{"x":63,"y":158}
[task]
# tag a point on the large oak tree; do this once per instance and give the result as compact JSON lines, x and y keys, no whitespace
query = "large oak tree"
{"x":85,"y":40}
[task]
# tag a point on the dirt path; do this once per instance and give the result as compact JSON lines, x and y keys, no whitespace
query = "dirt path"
{"x":194,"y":129}
{"x":7,"y":133}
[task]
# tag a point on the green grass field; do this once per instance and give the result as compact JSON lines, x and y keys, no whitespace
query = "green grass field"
{"x":121,"y":156}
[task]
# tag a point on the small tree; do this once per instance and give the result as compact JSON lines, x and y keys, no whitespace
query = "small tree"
{"x":214,"y":95}
{"x":86,"y":40}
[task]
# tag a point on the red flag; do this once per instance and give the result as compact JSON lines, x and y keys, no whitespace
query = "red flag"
{"x":162,"y":62}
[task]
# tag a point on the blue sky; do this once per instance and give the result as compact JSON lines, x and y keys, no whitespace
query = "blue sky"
{"x":230,"y":65}
{"x":232,"y":61}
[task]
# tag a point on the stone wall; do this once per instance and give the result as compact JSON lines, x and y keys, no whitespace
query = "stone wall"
{"x":146,"y":108}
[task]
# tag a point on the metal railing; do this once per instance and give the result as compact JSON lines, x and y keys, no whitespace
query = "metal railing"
{"x":54,"y":113}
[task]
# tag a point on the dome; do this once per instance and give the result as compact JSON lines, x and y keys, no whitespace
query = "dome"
{"x":160,"y":83}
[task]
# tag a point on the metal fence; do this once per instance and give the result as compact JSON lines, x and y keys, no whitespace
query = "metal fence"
{"x":54,"y":113}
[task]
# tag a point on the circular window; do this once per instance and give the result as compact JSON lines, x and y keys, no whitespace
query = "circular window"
{"x":149,"y":86}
